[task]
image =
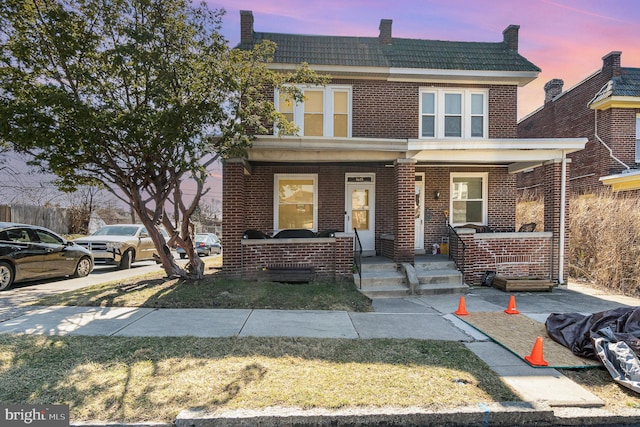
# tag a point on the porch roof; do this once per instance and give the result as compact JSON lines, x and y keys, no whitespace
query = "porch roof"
{"x":517,"y":154}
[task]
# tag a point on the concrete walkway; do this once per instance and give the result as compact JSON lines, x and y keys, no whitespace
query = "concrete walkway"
{"x":423,"y":317}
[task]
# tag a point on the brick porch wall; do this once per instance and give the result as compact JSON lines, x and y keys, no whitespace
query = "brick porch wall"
{"x":510,"y":254}
{"x":331,"y":258}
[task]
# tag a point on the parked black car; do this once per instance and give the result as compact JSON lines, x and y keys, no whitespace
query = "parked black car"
{"x":29,"y":252}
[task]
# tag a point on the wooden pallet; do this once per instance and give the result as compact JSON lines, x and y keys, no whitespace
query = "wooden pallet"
{"x":522,"y":284}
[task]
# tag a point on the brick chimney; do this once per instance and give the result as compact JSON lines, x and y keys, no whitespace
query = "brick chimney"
{"x":385,"y":31}
{"x":611,"y":62}
{"x":552,"y":89}
{"x":510,"y":37}
{"x":246,"y":27}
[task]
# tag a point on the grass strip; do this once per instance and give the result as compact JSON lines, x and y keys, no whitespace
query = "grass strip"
{"x":119,"y":379}
{"x":214,"y":292}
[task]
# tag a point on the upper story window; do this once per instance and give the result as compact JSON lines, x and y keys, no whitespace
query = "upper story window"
{"x":326,"y":111}
{"x":638,"y":139}
{"x":451,"y":113}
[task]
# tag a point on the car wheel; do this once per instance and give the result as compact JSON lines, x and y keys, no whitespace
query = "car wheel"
{"x":183,"y":256}
{"x":83,"y":268}
{"x":125,"y":261}
{"x":6,"y":276}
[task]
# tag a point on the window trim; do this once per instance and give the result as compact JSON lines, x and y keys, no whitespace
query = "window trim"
{"x":485,"y":195}
{"x":439,"y":122}
{"x":328,"y":111}
{"x":276,"y":186}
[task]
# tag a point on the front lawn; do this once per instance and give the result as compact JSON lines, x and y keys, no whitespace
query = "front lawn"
{"x":121,"y":379}
{"x":215,"y":292}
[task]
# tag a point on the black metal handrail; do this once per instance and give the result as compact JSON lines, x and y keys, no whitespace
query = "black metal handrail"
{"x":457,"y":248}
{"x":357,"y":256}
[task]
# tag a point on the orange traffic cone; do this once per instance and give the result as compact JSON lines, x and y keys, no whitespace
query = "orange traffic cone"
{"x":511,"y":309}
{"x":462,"y":307}
{"x":537,"y":357}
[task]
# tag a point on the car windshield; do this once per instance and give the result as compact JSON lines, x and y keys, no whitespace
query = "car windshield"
{"x":116,"y":230}
{"x":201,"y":237}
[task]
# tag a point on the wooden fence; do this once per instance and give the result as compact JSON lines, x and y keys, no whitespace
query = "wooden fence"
{"x":55,"y":219}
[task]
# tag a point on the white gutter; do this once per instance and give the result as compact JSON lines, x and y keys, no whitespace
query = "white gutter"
{"x":563,"y":208}
{"x":595,"y":127}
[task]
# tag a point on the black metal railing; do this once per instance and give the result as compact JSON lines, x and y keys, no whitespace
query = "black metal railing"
{"x":457,"y":248}
{"x":357,"y":257}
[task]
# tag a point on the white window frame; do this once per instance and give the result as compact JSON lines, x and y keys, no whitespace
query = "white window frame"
{"x":638,"y":138}
{"x":485,"y":195}
{"x":329,"y":90}
{"x":439,"y":94}
{"x":276,"y":199}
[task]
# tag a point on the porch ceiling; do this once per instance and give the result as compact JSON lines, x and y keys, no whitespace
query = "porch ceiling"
{"x":517,"y":154}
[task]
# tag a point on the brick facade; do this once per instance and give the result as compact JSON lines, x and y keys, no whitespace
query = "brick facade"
{"x":373,"y":116}
{"x":404,"y":208}
{"x":508,"y":254}
{"x":567,"y":115}
{"x":330,"y":258}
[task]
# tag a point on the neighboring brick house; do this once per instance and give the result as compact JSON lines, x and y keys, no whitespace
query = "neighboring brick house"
{"x":605,"y":108}
{"x":408,"y":137}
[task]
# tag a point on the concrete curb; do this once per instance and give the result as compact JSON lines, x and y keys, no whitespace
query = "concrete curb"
{"x":495,"y":414}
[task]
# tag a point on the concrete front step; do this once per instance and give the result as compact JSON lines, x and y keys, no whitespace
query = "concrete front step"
{"x":426,"y":277}
{"x":377,"y":279}
{"x":442,"y":288}
{"x":435,"y":265}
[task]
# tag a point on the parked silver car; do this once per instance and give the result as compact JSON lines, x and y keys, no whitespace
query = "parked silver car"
{"x":121,"y":244}
{"x":205,"y":245}
{"x":29,"y":252}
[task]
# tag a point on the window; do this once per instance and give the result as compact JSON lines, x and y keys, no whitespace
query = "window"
{"x":469,"y":198}
{"x":295,"y":202}
{"x":638,"y":139}
{"x":448,"y":113}
{"x":325,"y":111}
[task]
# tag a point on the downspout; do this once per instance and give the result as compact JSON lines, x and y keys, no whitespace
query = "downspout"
{"x":595,"y":127}
{"x":563,"y":209}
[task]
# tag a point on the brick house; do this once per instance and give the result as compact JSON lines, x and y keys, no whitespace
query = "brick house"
{"x":409,"y":141}
{"x":605,"y":108}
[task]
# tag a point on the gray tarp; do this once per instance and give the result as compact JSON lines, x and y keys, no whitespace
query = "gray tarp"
{"x":612,"y":336}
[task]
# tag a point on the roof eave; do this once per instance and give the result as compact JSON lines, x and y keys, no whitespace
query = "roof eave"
{"x":622,"y":182}
{"x":520,"y":78}
{"x":616,"y":102}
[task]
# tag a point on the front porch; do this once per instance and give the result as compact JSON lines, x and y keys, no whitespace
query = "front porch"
{"x":405,"y":207}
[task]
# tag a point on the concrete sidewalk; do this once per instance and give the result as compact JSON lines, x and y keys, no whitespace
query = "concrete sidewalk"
{"x":424,"y":317}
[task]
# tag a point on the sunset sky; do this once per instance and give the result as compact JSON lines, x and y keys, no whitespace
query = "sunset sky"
{"x":565,"y":38}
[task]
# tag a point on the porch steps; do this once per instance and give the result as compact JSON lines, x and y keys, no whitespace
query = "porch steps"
{"x":439,"y":277}
{"x":382,"y":278}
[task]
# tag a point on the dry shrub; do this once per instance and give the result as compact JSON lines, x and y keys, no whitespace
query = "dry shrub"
{"x":604,"y":245}
{"x":530,"y":208}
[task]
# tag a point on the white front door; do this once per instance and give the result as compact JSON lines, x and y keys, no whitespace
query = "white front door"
{"x":419,"y":214}
{"x":360,"y":210}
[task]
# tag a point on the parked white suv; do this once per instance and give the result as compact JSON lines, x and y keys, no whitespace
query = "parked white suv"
{"x":120,"y":244}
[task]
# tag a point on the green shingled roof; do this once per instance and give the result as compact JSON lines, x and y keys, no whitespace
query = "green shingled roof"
{"x":401,"y":53}
{"x":626,"y":84}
